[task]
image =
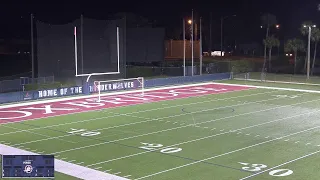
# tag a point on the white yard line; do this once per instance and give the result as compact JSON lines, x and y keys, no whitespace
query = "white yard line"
{"x":288,"y":162}
{"x":269,"y":87}
{"x":29,"y":131}
{"x":150,"y":119}
{"x":227,"y":153}
{"x":139,"y":112}
{"x":153,"y":119}
{"x":214,"y":120}
{"x":190,"y":141}
{"x":80,"y":172}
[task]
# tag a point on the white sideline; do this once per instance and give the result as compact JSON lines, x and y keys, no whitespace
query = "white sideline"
{"x":137,"y":112}
{"x":267,"y":87}
{"x":64,"y":167}
{"x":282,"y":82}
{"x":227,"y":153}
{"x":107,"y":94}
{"x":288,"y":162}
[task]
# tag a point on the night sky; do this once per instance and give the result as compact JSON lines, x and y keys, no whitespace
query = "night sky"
{"x":15,"y":17}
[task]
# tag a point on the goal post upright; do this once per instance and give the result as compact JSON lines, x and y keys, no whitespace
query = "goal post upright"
{"x":100,"y":73}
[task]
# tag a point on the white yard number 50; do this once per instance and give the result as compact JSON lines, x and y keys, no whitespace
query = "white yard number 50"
{"x":259,"y":167}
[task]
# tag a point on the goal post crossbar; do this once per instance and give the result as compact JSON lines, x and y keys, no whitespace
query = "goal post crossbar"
{"x":97,"y":84}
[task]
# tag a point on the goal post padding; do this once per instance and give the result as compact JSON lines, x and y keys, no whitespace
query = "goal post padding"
{"x":100,"y":87}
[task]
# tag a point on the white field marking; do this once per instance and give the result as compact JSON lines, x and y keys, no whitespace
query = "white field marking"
{"x":288,"y":162}
{"x":222,"y":130}
{"x":318,"y":145}
{"x":205,"y":127}
{"x":213,"y":128}
{"x":56,"y":137}
{"x":267,"y":137}
{"x":29,"y":131}
{"x":72,"y":161}
{"x":268,"y":87}
{"x":308,"y":144}
{"x":166,"y":117}
{"x":206,"y":137}
{"x":148,"y":120}
{"x":227,"y":153}
{"x":127,"y":105}
{"x":56,"y":155}
{"x":175,"y":123}
{"x":257,"y":135}
{"x":126,"y":176}
{"x":239,"y":132}
{"x":80,"y":163}
{"x":117,"y":173}
{"x":98,"y":168}
{"x":287,"y":140}
{"x":297,"y":142}
{"x":63,"y":158}
{"x":108,"y":170}
{"x":214,"y":120}
{"x":281,"y":82}
{"x":93,"y":145}
{"x":137,"y":112}
{"x":248,"y":134}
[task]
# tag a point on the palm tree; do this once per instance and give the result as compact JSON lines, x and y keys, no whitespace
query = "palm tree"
{"x":267,"y":20}
{"x":294,"y":45}
{"x":271,"y":42}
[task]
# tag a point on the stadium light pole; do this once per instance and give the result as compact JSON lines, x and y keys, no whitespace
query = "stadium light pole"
{"x":309,"y":40}
{"x":221,"y":31}
{"x":32,"y":47}
{"x":184,"y":46}
{"x":200,"y":48}
{"x":192,"y":22}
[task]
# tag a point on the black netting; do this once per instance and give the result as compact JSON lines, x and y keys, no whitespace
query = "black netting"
{"x":96,"y":42}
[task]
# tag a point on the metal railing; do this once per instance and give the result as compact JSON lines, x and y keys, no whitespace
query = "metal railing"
{"x":18,"y":84}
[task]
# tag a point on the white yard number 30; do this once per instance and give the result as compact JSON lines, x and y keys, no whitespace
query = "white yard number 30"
{"x":259,"y":167}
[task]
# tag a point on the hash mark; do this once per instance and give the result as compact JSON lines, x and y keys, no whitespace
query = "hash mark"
{"x":213,"y":129}
{"x":297,"y":142}
{"x":72,"y":161}
{"x":267,"y":137}
{"x":248,"y":134}
{"x":175,"y":123}
{"x":286,"y":140}
{"x":257,"y":135}
{"x":126,"y":176}
{"x":107,"y":170}
{"x":80,"y":163}
{"x":117,"y":173}
{"x":318,"y":145}
{"x":222,"y":130}
{"x":308,"y":144}
{"x":98,"y":167}
{"x":205,"y":127}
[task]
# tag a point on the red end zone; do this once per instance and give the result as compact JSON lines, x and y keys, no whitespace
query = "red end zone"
{"x":64,"y":107}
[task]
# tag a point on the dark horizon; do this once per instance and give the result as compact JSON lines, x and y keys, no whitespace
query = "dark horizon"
{"x":16,"y":17}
